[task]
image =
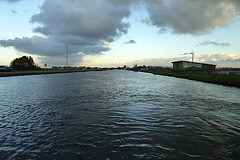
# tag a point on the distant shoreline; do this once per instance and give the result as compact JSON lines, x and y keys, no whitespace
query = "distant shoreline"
{"x":25,"y":73}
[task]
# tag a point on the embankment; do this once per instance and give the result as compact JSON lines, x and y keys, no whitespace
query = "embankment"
{"x":23,"y":73}
{"x":222,"y":79}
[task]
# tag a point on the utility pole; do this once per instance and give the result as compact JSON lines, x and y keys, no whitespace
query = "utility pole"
{"x":66,"y":57}
{"x":50,"y":62}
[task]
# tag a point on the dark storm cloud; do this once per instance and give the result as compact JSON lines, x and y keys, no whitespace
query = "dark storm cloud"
{"x":96,"y":19}
{"x":192,"y":16}
{"x":205,"y":43}
{"x":49,"y":47}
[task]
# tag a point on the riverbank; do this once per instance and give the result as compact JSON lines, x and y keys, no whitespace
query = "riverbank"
{"x":222,"y":79}
{"x":23,"y":73}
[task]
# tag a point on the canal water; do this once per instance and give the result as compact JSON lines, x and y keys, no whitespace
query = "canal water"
{"x":117,"y":115}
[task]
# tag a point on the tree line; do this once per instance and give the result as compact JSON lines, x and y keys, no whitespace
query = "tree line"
{"x":24,"y":63}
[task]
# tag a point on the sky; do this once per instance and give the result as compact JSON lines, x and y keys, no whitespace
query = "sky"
{"x":112,"y":33}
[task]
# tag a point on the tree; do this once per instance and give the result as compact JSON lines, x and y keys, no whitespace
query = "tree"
{"x":24,"y":63}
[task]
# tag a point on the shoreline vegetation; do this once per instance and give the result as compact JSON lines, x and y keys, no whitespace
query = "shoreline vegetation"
{"x":220,"y":79}
{"x":38,"y":72}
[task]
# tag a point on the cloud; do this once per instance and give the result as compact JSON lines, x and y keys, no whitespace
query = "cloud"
{"x":96,"y":19}
{"x":73,"y":60}
{"x":221,"y":59}
{"x":43,"y":46}
{"x":13,"y":12}
{"x":166,"y":62}
{"x":103,"y":19}
{"x":205,"y":43}
{"x":11,"y":1}
{"x":86,"y":26}
{"x":106,"y":44}
{"x":192,"y":17}
{"x":130,"y":42}
{"x":33,"y":35}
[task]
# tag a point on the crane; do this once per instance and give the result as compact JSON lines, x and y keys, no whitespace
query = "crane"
{"x":192,"y":53}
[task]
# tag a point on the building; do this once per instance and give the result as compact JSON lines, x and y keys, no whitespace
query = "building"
{"x":187,"y":66}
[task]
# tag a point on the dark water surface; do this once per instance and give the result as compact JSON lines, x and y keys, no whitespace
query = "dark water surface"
{"x":117,"y":115}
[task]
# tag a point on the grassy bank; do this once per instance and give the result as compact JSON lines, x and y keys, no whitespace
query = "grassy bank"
{"x":222,"y":79}
{"x":23,"y":73}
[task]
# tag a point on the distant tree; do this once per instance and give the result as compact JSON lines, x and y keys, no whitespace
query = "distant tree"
{"x":24,"y":63}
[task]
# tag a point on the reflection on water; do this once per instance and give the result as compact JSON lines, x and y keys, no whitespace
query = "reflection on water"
{"x":117,"y":115}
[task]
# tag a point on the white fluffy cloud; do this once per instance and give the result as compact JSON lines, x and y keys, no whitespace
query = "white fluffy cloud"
{"x":192,"y":16}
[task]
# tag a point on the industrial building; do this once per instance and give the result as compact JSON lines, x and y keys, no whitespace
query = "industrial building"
{"x":186,"y":66}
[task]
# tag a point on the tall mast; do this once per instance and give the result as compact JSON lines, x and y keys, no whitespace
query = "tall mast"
{"x":66,"y":56}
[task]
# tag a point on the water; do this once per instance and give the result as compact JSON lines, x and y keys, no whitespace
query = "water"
{"x":117,"y":115}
